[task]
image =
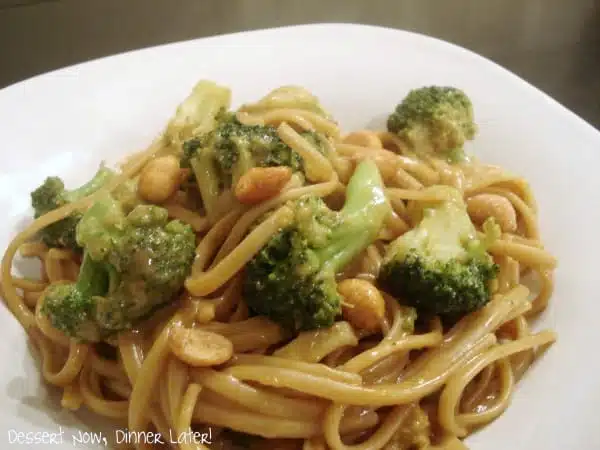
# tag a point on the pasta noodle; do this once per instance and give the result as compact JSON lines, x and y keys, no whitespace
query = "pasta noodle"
{"x":338,"y":388}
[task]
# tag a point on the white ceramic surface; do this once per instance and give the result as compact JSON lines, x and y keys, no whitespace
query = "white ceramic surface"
{"x":66,"y":122}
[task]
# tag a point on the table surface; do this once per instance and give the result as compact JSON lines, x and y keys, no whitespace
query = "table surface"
{"x":554,"y":44}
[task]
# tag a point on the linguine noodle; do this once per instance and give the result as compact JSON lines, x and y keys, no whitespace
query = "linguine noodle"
{"x":337,"y":388}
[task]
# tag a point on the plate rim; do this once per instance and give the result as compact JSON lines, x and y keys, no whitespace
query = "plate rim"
{"x":309,"y":27}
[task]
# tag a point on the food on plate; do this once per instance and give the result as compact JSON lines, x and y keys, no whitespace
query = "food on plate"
{"x":259,"y":273}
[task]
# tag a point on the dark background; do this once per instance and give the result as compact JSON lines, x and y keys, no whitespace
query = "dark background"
{"x":554,"y":44}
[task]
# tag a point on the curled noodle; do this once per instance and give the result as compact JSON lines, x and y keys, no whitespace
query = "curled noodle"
{"x":338,"y":388}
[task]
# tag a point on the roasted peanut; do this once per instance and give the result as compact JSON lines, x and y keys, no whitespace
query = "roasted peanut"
{"x":363,"y":305}
{"x":261,"y":183}
{"x":200,"y":348}
{"x":160,"y":179}
{"x":482,"y":206}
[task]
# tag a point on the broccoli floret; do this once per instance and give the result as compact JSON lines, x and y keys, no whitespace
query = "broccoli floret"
{"x":133,"y":264}
{"x":435,"y":119}
{"x":70,"y":306}
{"x":234,"y":142}
{"x":52,"y":195}
{"x":441,"y":267}
{"x":220,"y":157}
{"x":190,"y":147}
{"x":292,"y":279}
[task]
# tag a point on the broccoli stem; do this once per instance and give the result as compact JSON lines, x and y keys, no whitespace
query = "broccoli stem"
{"x":197,"y":113}
{"x":208,"y":182}
{"x":243,"y":164}
{"x":93,"y":279}
{"x":102,"y":223}
{"x":102,"y":176}
{"x":362,"y":214}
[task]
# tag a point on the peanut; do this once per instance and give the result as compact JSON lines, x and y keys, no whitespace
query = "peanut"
{"x":482,"y":206}
{"x":160,"y":179}
{"x":200,"y":348}
{"x":363,"y":305}
{"x":261,"y":183}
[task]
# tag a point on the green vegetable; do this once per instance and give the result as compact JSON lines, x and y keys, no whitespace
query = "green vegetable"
{"x":52,"y":195}
{"x":287,"y":97}
{"x":126,"y":194}
{"x":220,"y":157}
{"x":292,"y":279}
{"x":133,"y":264}
{"x":441,"y":266}
{"x":70,"y":306}
{"x":197,"y":114}
{"x":435,"y":119}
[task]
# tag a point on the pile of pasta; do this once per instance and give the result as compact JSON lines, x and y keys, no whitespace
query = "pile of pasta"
{"x":336,"y":388}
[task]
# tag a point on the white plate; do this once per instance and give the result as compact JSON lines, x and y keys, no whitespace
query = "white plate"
{"x":66,"y":121}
